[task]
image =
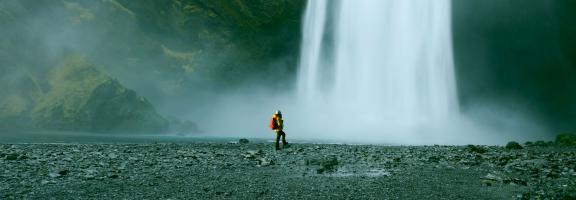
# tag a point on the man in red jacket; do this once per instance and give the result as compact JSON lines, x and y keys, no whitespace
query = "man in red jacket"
{"x":277,"y":124}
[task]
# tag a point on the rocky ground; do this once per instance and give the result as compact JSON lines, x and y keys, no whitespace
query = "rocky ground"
{"x":302,"y":171}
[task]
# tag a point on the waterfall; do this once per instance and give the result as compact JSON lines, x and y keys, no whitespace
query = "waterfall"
{"x":378,"y":62}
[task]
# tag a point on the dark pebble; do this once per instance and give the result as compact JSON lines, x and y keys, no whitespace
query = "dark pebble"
{"x":11,"y":156}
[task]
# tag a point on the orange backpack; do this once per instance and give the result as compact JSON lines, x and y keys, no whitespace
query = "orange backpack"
{"x":273,"y":124}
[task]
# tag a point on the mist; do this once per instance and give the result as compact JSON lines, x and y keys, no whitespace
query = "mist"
{"x":227,"y":71}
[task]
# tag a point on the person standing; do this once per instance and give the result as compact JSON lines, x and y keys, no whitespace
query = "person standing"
{"x":277,"y":124}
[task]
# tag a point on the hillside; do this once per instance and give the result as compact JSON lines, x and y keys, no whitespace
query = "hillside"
{"x":160,"y":50}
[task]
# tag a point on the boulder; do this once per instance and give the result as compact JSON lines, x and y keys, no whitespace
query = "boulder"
{"x":243,"y":141}
{"x":328,"y":163}
{"x":11,"y":157}
{"x":476,"y":149}
{"x":513,"y":145}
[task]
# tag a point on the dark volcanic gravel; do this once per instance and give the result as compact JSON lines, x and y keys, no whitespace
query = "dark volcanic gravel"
{"x":303,"y":171}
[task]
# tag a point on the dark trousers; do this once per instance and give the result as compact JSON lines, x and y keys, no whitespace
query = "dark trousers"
{"x":278,"y":134}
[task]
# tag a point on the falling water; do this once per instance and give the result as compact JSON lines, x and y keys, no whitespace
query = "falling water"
{"x":379,"y":63}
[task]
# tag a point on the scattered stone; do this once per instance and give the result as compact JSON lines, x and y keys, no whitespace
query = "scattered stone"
{"x":378,"y":172}
{"x":252,"y":153}
{"x":264,"y":162}
{"x":491,"y":179}
{"x":515,"y":181}
{"x":540,"y":143}
{"x":243,"y":141}
{"x":476,"y":149}
{"x":90,"y":174}
{"x":434,"y":159}
{"x":545,"y":173}
{"x":63,"y":172}
{"x":54,"y":175}
{"x":488,"y":182}
{"x":329,"y":163}
{"x":11,"y":157}
{"x":513,"y":145}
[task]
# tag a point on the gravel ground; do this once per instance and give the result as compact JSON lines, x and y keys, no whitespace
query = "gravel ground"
{"x":302,"y":171}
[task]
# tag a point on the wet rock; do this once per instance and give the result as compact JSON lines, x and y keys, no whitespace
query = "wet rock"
{"x":58,"y":173}
{"x":255,"y":152}
{"x":63,"y":172}
{"x":329,"y":163}
{"x":515,"y":181}
{"x":252,"y":153}
{"x":265,"y":162}
{"x":90,"y":174}
{"x":44,"y":182}
{"x":476,"y":149}
{"x":243,"y":141}
{"x":513,"y":145}
{"x":538,"y":143}
{"x":553,"y":175}
{"x":11,"y":157}
{"x":434,"y":159}
{"x":524,"y":165}
{"x":54,"y":174}
{"x":545,"y":173}
{"x":491,"y":179}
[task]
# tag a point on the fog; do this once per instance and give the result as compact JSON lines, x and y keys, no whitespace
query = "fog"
{"x":206,"y":76}
{"x":368,"y":92}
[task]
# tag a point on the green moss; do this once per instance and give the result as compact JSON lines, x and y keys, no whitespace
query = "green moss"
{"x":70,"y":86}
{"x":13,"y":106}
{"x":83,"y":98}
{"x":566,"y":139}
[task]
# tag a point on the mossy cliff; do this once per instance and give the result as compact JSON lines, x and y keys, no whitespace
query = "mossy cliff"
{"x":162,"y":50}
{"x":80,"y":97}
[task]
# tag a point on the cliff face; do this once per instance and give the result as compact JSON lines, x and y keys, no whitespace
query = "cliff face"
{"x":514,"y":53}
{"x":84,"y":99}
{"x":161,"y":49}
{"x":518,"y":54}
{"x":17,"y":99}
{"x":78,"y":97}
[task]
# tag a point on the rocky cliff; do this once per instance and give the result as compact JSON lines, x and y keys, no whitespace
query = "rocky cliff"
{"x":83,"y":98}
{"x":78,"y":97}
{"x":162,"y":50}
